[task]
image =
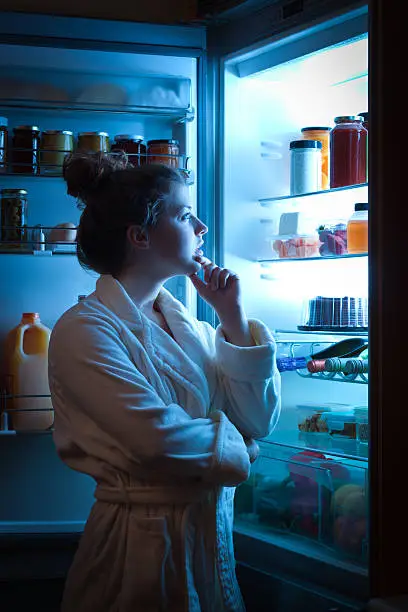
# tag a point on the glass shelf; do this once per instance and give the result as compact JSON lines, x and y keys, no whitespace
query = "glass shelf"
{"x":323,"y":332}
{"x":268,"y":262}
{"x":269,"y":201}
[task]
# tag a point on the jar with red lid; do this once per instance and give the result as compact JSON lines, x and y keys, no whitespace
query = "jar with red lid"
{"x":3,"y":144}
{"x":25,"y":149}
{"x":348,"y":152}
{"x":163,"y":152}
{"x":133,"y":146}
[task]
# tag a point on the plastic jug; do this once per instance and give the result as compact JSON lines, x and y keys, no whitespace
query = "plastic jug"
{"x":26,"y":369}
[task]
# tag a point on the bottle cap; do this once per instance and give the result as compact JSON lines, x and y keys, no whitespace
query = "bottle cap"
{"x":361,"y":206}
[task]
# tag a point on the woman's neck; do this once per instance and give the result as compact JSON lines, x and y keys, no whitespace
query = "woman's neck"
{"x":143,"y":291}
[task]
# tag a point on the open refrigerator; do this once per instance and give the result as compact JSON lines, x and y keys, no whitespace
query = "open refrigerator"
{"x":307,"y":519}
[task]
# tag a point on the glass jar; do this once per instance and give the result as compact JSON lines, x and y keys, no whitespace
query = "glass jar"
{"x":365,"y":119}
{"x":133,"y":146}
{"x":163,"y":152}
{"x":13,"y":217}
{"x":93,"y":142}
{"x":26,"y":143}
{"x":348,"y":152}
{"x":305,"y":166}
{"x":357,"y":229}
{"x":3,"y":144}
{"x":55,"y":145}
{"x":322,"y":134}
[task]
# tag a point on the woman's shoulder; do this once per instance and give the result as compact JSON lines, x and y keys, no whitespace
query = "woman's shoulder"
{"x":87,"y":314}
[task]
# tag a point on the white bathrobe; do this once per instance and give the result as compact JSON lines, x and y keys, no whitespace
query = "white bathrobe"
{"x":157,"y":422}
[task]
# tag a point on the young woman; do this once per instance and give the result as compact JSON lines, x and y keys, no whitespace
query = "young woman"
{"x":158,"y":407}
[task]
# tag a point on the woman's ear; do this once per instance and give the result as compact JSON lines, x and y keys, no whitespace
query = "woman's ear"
{"x":138,"y":236}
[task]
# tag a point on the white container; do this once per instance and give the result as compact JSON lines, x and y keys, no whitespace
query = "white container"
{"x":305,"y":166}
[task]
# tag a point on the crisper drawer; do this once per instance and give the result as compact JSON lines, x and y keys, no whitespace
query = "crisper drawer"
{"x":310,"y":495}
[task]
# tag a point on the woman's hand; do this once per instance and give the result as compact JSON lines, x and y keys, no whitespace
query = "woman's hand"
{"x":221,"y":289}
{"x":252,"y":448}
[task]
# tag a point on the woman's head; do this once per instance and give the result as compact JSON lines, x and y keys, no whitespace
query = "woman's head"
{"x":129,"y":212}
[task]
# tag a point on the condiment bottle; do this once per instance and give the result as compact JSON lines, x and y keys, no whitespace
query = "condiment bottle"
{"x":305,"y":166}
{"x":357,"y":230}
{"x":348,"y":152}
{"x":322,"y":134}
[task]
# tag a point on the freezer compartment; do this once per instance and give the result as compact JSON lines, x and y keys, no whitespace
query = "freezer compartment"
{"x":310,"y":495}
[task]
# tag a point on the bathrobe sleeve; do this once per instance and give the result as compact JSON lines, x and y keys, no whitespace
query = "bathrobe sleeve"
{"x":248,"y":385}
{"x":91,"y":372}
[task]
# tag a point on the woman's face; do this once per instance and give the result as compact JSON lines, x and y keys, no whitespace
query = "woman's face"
{"x":178,"y":235}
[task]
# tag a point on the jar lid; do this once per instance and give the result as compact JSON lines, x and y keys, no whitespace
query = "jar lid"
{"x":323,"y":129}
{"x":364,"y":116}
{"x":163,"y":141}
{"x":67,"y":132}
{"x":30,"y":128}
{"x":305,"y":144}
{"x":133,"y":137}
{"x":93,"y":134}
{"x":3,"y":122}
{"x":13,"y":191}
{"x":348,"y":119}
{"x":361,"y":206}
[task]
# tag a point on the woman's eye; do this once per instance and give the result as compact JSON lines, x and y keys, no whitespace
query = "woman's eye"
{"x":186,"y":216}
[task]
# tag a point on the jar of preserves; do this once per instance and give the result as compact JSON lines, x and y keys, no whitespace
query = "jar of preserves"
{"x":55,"y":145}
{"x":305,"y":166}
{"x":163,"y":152}
{"x":348,"y":152}
{"x":13,"y":218}
{"x":322,"y":134}
{"x":3,"y":144}
{"x":133,"y":146}
{"x":357,"y":229}
{"x":93,"y":142}
{"x":365,"y":124}
{"x":26,"y":143}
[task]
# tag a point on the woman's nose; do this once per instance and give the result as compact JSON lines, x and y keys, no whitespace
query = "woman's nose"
{"x":201,"y":228}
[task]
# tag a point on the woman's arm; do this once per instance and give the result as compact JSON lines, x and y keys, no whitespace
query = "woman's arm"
{"x":90,"y":371}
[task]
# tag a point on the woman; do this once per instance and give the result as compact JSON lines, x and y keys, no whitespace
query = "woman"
{"x":156,"y":406}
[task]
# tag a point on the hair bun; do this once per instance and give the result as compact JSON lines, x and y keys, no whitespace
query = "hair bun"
{"x":84,"y":173}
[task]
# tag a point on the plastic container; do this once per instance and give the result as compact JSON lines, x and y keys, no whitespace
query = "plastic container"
{"x":3,"y":144}
{"x":334,"y":313}
{"x":296,"y":246}
{"x":305,"y":166}
{"x":322,"y":134}
{"x":357,"y":229}
{"x":348,"y":152}
{"x":341,"y":423}
{"x":26,"y":370}
{"x":333,"y":238}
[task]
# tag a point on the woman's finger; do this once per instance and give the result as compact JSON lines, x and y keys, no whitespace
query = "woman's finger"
{"x":214,"y":281}
{"x":223,"y":277}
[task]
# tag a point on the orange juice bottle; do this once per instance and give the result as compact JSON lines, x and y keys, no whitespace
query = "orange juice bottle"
{"x":323,"y":135}
{"x":357,"y":230}
{"x":26,"y":373}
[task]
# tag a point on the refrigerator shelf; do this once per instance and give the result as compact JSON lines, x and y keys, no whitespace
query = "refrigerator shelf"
{"x":357,"y":332}
{"x":7,"y":410}
{"x":268,"y":262}
{"x":179,"y":115}
{"x":269,"y":201}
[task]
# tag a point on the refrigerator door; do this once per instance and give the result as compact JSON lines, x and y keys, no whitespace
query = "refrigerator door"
{"x":78,"y":75}
{"x":263,"y":94}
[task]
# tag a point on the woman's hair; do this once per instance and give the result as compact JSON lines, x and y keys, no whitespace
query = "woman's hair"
{"x":113,"y":195}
